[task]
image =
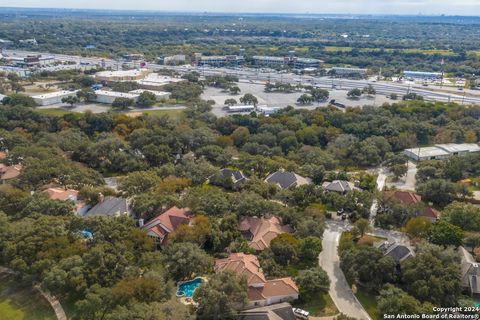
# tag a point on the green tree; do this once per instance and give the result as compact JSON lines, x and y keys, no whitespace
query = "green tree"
{"x":445,"y":234}
{"x":71,"y":100}
{"x":146,"y":99}
{"x":309,"y":249}
{"x":305,"y":99}
{"x":285,"y":249}
{"x":122,"y":103}
{"x":220,"y":297}
{"x":354,"y":93}
{"x":185,"y":259}
{"x":312,"y":281}
{"x":230,"y":102}
{"x":393,"y":300}
{"x":418,"y":227}
{"x":249,"y":99}
{"x":438,"y":191}
{"x":464,"y":215}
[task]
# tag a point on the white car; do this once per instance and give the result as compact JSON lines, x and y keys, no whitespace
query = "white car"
{"x":301,"y":314}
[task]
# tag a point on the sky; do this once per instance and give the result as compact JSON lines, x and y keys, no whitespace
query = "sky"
{"x":435,"y":7}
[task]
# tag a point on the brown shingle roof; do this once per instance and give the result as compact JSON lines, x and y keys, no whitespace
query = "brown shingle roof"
{"x":61,"y":194}
{"x":404,"y":197}
{"x":10,"y":172}
{"x":168,"y":221}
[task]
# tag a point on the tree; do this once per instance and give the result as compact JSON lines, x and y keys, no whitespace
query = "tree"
{"x":234,"y":90}
{"x":312,"y":281}
{"x":418,"y":227}
{"x":249,"y":99}
{"x":433,"y":275}
{"x":319,"y":95}
{"x":370,"y":90}
{"x":17,"y":87}
{"x":363,"y":226}
{"x":230,"y":102}
{"x":185,"y":259}
{"x":445,"y":234}
{"x":220,"y":297}
{"x":87,"y":95}
{"x":138,"y":182}
{"x":122,"y":103}
{"x":305,"y":99}
{"x":309,"y":249}
{"x":285,"y":249}
{"x":17,"y":99}
{"x":71,"y":100}
{"x":146,"y":99}
{"x":464,"y":215}
{"x":438,"y":191}
{"x":393,"y":300}
{"x":354,"y":93}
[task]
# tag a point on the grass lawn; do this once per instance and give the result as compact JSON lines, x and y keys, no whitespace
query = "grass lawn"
{"x":54,"y":112}
{"x":369,"y":302}
{"x":22,"y":303}
{"x":319,"y":306}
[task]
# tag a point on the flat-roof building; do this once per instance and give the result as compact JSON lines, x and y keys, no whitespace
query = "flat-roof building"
{"x":441,"y":151}
{"x":108,"y":97}
{"x":122,"y":75}
{"x":158,"y":94}
{"x":154,"y":81}
{"x":295,"y":62}
{"x":173,"y":60}
{"x":219,"y":61}
{"x":339,"y":71}
{"x":235,"y":109}
{"x":48,"y":99}
{"x":422,"y":75}
{"x":267,"y":110}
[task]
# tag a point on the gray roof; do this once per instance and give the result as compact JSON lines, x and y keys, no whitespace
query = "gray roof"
{"x":279,"y":311}
{"x":286,"y":179}
{"x":398,"y":252}
{"x":338,"y":186}
{"x":234,"y":174}
{"x":470,"y":272}
{"x":110,"y":206}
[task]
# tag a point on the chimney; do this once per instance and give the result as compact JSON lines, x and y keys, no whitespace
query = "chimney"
{"x":101,"y":197}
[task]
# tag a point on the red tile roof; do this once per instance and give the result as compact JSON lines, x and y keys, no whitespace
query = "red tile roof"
{"x":404,"y":197}
{"x":10,"y":172}
{"x":168,"y":221}
{"x":263,"y":230}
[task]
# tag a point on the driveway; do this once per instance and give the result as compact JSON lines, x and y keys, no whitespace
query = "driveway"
{"x":381,"y":180}
{"x":341,"y":293}
{"x":407,"y":183}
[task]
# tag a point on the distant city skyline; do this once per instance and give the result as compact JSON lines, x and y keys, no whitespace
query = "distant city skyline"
{"x":404,"y":7}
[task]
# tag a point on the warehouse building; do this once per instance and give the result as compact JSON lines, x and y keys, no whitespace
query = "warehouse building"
{"x":122,"y":75}
{"x":108,"y":97}
{"x":269,"y":61}
{"x":420,"y":75}
{"x":172,"y":60}
{"x":48,"y":99}
{"x":158,"y":94}
{"x":441,"y":151}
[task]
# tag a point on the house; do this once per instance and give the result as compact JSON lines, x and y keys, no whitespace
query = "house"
{"x":68,"y":194}
{"x":279,"y":311}
{"x":340,"y":186}
{"x":285,"y":179}
{"x":259,"y":232}
{"x":9,"y":172}
{"x":398,"y":252}
{"x":410,"y":198}
{"x":470,"y":273}
{"x":161,"y":226}
{"x":228,"y":178}
{"x":110,"y":207}
{"x":261,"y":292}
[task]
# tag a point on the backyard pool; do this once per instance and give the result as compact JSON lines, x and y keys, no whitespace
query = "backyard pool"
{"x":187,"y":288}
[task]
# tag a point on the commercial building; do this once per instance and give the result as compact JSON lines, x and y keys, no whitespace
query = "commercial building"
{"x":132,"y":56}
{"x":158,"y":94}
{"x":108,"y":97}
{"x":29,"y":61}
{"x":172,"y":60}
{"x":48,"y":99}
{"x":154,"y":81}
{"x":292,"y":61}
{"x":240,"y":109}
{"x":21,"y":72}
{"x":218,"y":61}
{"x":267,"y":110}
{"x":420,"y":75}
{"x":441,"y":151}
{"x":122,"y":75}
{"x":346,"y":72}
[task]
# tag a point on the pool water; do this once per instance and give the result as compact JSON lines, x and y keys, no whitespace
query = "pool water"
{"x":188,"y":288}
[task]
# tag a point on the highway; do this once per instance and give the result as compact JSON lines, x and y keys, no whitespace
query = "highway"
{"x":432,"y":93}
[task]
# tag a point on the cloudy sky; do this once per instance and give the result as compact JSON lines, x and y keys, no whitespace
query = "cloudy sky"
{"x":449,"y":7}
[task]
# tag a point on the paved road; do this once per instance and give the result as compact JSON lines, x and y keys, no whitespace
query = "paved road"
{"x":381,"y":179}
{"x":341,"y":293}
{"x":385,"y":88}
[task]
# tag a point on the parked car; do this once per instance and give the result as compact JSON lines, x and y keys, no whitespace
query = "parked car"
{"x":301,"y":314}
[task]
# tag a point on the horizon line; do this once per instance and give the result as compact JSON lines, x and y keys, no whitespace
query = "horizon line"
{"x":244,"y":13}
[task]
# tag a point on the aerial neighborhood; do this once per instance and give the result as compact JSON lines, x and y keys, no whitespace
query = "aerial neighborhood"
{"x":238,"y":167}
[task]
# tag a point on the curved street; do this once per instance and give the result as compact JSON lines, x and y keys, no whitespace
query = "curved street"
{"x":341,"y":293}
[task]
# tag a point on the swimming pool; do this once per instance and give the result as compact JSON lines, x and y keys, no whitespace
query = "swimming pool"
{"x":187,"y":288}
